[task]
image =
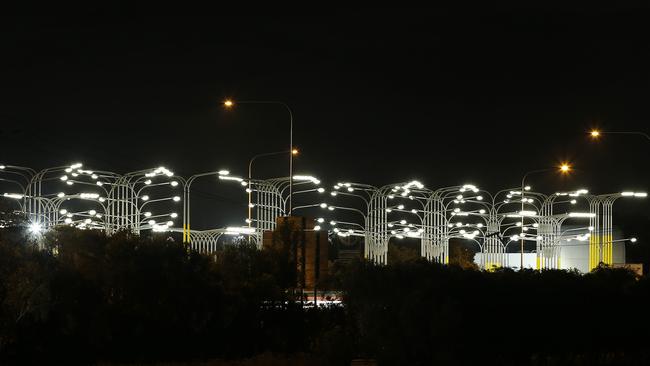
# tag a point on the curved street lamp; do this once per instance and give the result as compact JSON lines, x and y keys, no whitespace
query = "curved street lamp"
{"x":564,"y":168}
{"x":597,"y":133}
{"x":230,"y":103}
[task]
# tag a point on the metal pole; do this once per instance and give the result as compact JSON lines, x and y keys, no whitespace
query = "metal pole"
{"x":521,"y":263}
{"x":290,"y":157}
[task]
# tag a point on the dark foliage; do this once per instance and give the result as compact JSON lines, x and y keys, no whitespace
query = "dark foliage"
{"x":89,"y":298}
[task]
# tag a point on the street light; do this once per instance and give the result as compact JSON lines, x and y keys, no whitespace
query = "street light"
{"x":250,"y":177}
{"x":228,"y":103}
{"x":595,"y":134}
{"x":564,"y":168}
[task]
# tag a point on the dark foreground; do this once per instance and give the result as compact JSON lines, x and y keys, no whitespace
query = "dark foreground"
{"x":89,"y":299}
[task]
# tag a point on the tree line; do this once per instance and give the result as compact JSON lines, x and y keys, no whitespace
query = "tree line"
{"x":89,"y":298}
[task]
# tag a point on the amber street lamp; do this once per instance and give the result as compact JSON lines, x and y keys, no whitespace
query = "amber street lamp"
{"x":564,"y":168}
{"x":595,"y":134}
{"x":229,"y":103}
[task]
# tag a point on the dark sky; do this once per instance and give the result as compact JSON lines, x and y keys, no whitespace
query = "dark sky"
{"x":444,"y":96}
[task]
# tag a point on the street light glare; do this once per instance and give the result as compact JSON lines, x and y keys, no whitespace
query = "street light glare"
{"x":228,"y":103}
{"x":594,"y":133}
{"x":565,"y":168}
{"x":294,"y":152}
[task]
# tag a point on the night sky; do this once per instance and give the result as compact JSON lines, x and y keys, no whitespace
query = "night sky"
{"x":380,"y":96}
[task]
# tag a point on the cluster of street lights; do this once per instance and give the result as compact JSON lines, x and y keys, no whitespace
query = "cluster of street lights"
{"x":436,"y":216}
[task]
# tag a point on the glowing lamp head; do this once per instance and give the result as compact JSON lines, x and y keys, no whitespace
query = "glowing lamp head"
{"x":565,"y":168}
{"x":633,"y":240}
{"x":294,"y":151}
{"x":176,"y":198}
{"x":35,"y":228}
{"x":594,"y":133}
{"x":228,"y":103}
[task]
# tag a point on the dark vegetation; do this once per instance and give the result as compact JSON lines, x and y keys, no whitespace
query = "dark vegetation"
{"x":89,"y":298}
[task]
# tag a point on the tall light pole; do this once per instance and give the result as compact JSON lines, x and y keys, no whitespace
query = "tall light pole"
{"x":564,"y":168}
{"x":250,"y":178}
{"x":230,"y":103}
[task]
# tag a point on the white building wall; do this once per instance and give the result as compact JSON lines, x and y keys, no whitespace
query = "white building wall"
{"x":573,"y":255}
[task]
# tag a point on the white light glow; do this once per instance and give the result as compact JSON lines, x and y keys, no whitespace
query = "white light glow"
{"x":15,"y":196}
{"x":241,"y":230}
{"x":581,"y":214}
{"x":308,"y":178}
{"x":226,"y":177}
{"x":35,"y":228}
{"x":176,"y":198}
